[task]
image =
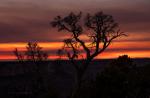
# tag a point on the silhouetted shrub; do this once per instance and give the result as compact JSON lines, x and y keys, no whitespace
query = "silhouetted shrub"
{"x":33,"y":53}
{"x":117,"y":80}
{"x":122,"y":79}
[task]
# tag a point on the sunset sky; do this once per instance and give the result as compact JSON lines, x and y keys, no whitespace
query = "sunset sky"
{"x":24,"y":21}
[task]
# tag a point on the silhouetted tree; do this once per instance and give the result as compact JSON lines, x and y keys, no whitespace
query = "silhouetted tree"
{"x":100,"y":30}
{"x":33,"y":53}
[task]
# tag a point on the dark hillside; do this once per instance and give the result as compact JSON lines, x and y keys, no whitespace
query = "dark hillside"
{"x":18,"y":79}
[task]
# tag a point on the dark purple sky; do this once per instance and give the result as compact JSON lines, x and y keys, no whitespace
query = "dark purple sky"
{"x":28,"y":20}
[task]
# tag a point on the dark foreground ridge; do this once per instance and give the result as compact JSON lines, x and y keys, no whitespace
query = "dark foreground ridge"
{"x":18,"y":79}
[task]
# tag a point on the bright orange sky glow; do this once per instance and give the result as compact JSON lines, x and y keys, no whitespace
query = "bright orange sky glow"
{"x":133,"y":49}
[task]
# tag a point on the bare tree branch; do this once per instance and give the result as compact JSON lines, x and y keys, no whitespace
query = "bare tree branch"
{"x":102,"y":30}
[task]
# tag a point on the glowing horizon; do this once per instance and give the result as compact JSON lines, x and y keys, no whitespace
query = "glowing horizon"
{"x":133,"y":49}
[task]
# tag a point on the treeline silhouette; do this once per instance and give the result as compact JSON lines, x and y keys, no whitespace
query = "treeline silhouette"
{"x":120,"y":78}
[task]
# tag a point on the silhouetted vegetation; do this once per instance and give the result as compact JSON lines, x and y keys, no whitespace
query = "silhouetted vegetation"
{"x":33,"y":53}
{"x":35,"y":56}
{"x":117,"y":80}
{"x":100,"y":30}
{"x":120,"y":79}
